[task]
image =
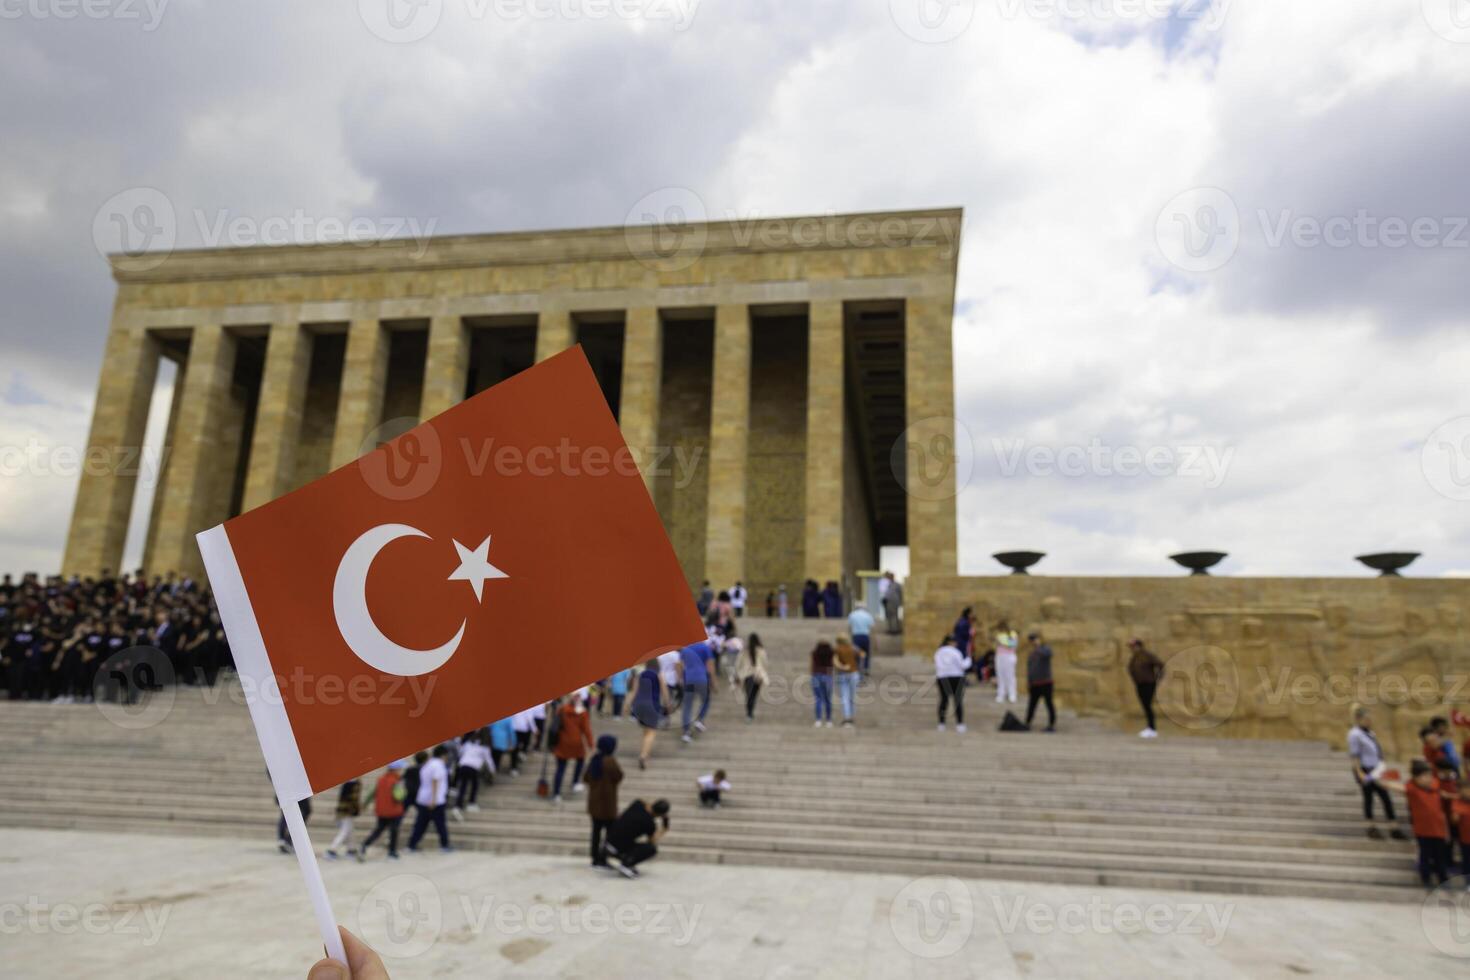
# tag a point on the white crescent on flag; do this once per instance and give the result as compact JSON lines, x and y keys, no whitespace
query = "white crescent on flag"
{"x":355,"y":621}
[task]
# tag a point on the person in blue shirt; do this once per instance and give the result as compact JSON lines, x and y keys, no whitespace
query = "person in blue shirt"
{"x":618,"y":687}
{"x":503,"y":740}
{"x":694,"y":677}
{"x":860,"y":625}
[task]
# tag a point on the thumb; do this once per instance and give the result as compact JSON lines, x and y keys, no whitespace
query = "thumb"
{"x":329,"y":969}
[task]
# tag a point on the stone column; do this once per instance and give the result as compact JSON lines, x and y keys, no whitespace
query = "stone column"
{"x":826,"y":423}
{"x":643,"y":341}
{"x":555,"y":332}
{"x":99,"y":523}
{"x":729,"y":432}
{"x":930,"y":453}
{"x":189,"y":491}
{"x":447,"y":367}
{"x":278,"y":414}
{"x":360,"y":404}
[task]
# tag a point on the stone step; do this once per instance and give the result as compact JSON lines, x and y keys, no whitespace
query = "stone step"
{"x":1087,"y":805}
{"x":1040,"y":866}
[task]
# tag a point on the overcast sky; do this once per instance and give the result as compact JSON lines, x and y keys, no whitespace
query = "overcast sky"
{"x":1215,"y":275}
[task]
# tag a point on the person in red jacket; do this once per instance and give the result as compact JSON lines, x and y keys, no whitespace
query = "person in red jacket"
{"x":573,"y":743}
{"x":1431,"y":829}
{"x":388,"y":800}
{"x":1460,"y":811}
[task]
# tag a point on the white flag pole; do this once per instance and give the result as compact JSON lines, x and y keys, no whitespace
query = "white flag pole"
{"x":311,"y":871}
{"x":268,"y":712}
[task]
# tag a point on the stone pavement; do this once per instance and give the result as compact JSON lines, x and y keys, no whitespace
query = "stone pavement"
{"x":77,"y":904}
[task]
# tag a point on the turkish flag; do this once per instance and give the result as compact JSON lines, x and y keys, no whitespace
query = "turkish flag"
{"x":497,"y":556}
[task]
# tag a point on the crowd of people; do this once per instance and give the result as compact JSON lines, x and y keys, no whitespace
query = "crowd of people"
{"x":78,"y":639}
{"x":817,"y":601}
{"x":1437,"y":793}
{"x":669,"y":692}
{"x":443,"y":783}
{"x":992,"y":656}
{"x":113,"y":636}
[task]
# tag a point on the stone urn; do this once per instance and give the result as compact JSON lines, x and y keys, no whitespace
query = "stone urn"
{"x":1018,"y":561}
{"x":1199,"y":562}
{"x":1388,"y":563}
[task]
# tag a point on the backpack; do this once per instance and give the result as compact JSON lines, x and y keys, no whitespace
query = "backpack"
{"x":553,"y":728}
{"x":1010,"y":723}
{"x":400,"y":792}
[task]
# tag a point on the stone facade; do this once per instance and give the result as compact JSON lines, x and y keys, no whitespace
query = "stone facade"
{"x":1275,"y":658}
{"x":724,"y":349}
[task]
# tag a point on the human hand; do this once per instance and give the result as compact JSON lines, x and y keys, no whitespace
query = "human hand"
{"x":362,"y":962}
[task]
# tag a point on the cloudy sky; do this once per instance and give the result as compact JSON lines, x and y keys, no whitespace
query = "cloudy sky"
{"x":1215,"y":268}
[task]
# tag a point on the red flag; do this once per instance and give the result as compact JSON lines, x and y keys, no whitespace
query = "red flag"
{"x":497,"y":556}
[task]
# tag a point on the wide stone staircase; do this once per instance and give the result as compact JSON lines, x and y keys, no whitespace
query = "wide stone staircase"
{"x":1086,"y":805}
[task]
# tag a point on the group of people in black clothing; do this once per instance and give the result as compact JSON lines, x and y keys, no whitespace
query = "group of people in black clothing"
{"x":73,"y":640}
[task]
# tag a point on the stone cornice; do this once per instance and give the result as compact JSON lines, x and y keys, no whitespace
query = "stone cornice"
{"x":937,"y":228}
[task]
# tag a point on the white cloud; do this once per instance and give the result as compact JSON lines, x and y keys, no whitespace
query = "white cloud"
{"x":1319,"y":371}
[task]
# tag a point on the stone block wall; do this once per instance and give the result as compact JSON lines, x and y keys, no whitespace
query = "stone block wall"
{"x":1277,"y":658}
{"x":681,"y":490}
{"x":776,"y":475}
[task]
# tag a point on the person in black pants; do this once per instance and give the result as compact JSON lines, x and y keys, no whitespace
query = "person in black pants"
{"x":633,"y":838}
{"x":1039,"y":681}
{"x":432,"y":796}
{"x":283,"y":837}
{"x":1146,"y":671}
{"x":950,"y":667}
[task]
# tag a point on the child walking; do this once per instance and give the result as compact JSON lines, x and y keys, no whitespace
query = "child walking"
{"x":388,"y":798}
{"x":349,"y":805}
{"x":1431,"y":829}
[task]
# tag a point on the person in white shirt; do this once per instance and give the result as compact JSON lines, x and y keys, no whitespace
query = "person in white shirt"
{"x":432,"y":796}
{"x":668,"y":669}
{"x":524,"y":725}
{"x":1006,"y":642}
{"x":711,"y":785}
{"x":538,"y":718}
{"x":474,"y":755}
{"x":738,"y":595}
{"x":950,"y":668}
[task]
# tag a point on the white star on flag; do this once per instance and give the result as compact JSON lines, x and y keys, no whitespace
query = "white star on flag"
{"x":474,"y":566}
